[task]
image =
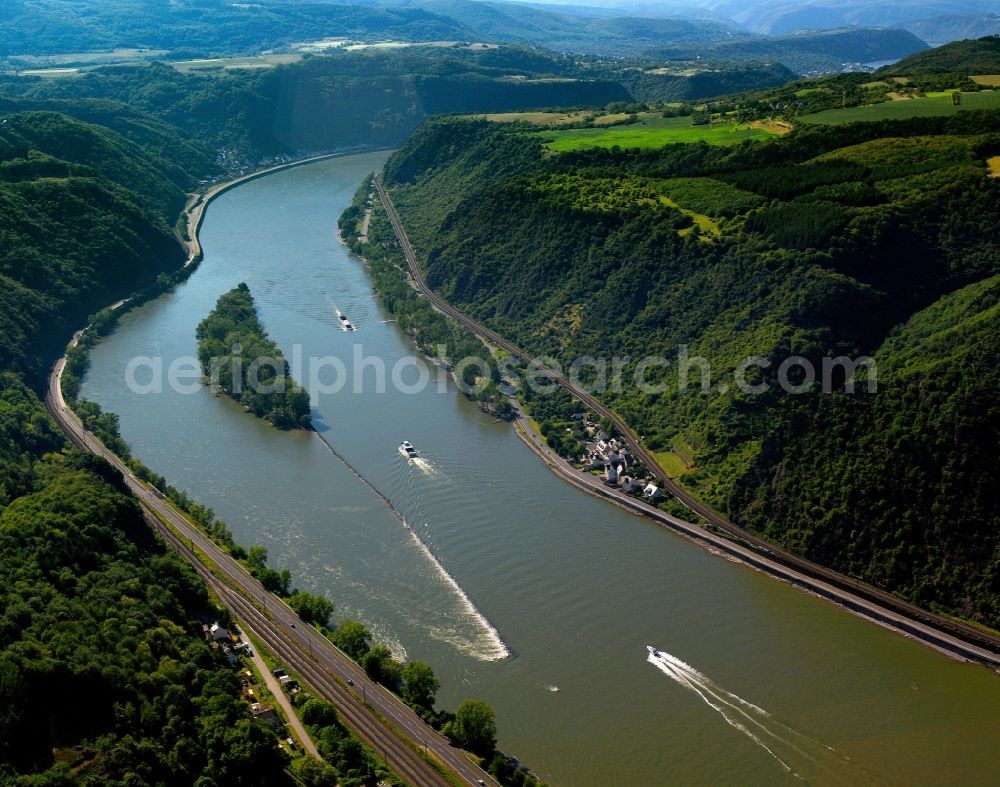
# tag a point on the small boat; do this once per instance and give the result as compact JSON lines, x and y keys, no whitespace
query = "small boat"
{"x":346,"y":324}
{"x":406,"y":449}
{"x":653,"y":651}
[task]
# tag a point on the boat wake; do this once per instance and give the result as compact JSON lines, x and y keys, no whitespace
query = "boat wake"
{"x":423,"y":465}
{"x":792,"y":750}
{"x":490,"y":646}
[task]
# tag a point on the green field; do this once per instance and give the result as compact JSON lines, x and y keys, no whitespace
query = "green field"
{"x":228,"y":63}
{"x":653,"y":133}
{"x":51,"y":73}
{"x":900,"y":110}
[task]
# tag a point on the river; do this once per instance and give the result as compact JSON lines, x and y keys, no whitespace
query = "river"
{"x":780,"y":687}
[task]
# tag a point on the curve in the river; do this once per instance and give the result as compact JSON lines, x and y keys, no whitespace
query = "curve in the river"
{"x":577,"y":587}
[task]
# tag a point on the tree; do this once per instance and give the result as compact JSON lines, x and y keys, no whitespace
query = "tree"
{"x":420,"y":685}
{"x":474,"y":727}
{"x":257,"y":557}
{"x":278,"y":582}
{"x":311,"y":608}
{"x":381,"y":667}
{"x":352,"y":638}
{"x":317,"y":774}
{"x":316,"y":713}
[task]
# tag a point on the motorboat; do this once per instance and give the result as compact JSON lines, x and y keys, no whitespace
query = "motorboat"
{"x":346,"y":324}
{"x":406,"y":449}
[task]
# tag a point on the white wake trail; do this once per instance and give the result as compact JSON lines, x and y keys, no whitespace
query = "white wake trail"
{"x":423,"y":465}
{"x":494,"y":648}
{"x":758,"y":725}
{"x":682,"y":678}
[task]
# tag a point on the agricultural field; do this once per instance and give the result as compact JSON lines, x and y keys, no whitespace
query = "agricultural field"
{"x":51,"y":73}
{"x":543,"y":118}
{"x":66,"y":59}
{"x":900,"y":110}
{"x":650,"y":133}
{"x":228,"y":63}
{"x":572,"y":118}
{"x":989,"y":80}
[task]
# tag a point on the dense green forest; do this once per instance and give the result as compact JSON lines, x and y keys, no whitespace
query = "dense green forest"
{"x":237,"y":355}
{"x":853,"y":240}
{"x":858,"y":239}
{"x":104,"y":675}
{"x":87,"y":216}
{"x":303,"y":106}
{"x":709,"y":79}
{"x":974,"y":56}
{"x":103,"y":672}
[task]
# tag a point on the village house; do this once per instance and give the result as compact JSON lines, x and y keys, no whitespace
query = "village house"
{"x":219,"y":633}
{"x":652,"y":492}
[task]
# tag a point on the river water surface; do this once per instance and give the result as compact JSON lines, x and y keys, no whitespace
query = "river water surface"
{"x":517,"y":588}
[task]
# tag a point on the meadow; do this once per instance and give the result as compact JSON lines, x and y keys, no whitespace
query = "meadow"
{"x":540,"y":118}
{"x":570,"y":117}
{"x":652,"y":133}
{"x":900,"y":110}
{"x":227,"y":63}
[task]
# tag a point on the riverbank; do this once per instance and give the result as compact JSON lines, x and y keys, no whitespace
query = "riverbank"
{"x":198,"y":202}
{"x":957,"y":639}
{"x":729,"y":550}
{"x":575,"y":586}
{"x":395,"y":728}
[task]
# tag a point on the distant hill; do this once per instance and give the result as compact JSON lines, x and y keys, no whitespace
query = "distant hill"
{"x":809,"y":52}
{"x":563,"y":32}
{"x":954,"y":27}
{"x":779,"y":17}
{"x":203,"y":26}
{"x":708,"y":82}
{"x":301,"y":107}
{"x":978,"y":56}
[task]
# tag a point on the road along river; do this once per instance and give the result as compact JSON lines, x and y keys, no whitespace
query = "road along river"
{"x":516,"y":587}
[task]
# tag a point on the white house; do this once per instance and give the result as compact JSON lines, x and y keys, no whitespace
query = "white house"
{"x":652,"y":491}
{"x":219,"y":633}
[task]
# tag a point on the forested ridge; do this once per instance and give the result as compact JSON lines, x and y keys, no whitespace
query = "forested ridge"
{"x":860,"y":239}
{"x":87,"y":216}
{"x":104,"y":675}
{"x":865,"y":239}
{"x":303,"y":107}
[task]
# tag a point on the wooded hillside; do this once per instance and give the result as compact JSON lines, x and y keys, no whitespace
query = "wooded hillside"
{"x":864,"y":239}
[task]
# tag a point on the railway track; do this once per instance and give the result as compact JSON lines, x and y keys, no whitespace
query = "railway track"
{"x":943,"y":633}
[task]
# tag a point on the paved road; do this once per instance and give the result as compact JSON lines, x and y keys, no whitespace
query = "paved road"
{"x":194,"y":209}
{"x":280,"y":698}
{"x":950,"y":636}
{"x":308,"y":654}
